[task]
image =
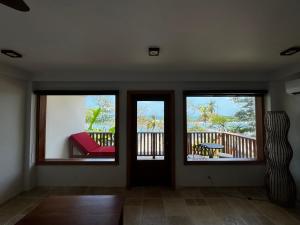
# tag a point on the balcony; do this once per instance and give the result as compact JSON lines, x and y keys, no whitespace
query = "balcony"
{"x":236,"y":146}
{"x":103,"y":138}
{"x":150,"y":145}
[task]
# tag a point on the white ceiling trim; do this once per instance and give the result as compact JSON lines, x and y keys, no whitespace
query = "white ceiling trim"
{"x":14,"y":72}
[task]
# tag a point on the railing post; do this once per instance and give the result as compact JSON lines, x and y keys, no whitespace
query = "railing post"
{"x":188,"y":143}
{"x":222,"y":138}
{"x":153,"y":144}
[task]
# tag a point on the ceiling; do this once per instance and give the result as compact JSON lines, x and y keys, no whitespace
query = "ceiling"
{"x":196,"y":35}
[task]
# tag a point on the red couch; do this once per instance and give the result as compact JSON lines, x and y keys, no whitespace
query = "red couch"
{"x":89,"y":147}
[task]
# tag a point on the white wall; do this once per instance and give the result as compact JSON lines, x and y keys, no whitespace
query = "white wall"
{"x":30,"y":140}
{"x":290,"y":104}
{"x":226,"y":175}
{"x":12,"y":127}
{"x":65,"y":116}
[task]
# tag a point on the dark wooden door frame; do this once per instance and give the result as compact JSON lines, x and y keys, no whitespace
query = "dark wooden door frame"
{"x":171,"y":144}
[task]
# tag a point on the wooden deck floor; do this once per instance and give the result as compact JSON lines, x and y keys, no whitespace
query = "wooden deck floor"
{"x":162,"y":206}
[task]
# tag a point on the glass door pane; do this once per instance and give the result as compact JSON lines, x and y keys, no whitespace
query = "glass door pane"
{"x":150,"y":130}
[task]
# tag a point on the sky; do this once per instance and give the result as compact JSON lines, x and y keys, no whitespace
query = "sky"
{"x":150,"y":108}
{"x":91,"y":100}
{"x":224,"y":105}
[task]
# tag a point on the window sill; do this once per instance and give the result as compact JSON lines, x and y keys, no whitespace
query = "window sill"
{"x":75,"y":162}
{"x":225,"y":162}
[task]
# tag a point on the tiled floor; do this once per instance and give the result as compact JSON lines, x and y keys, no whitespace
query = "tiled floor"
{"x":162,"y":206}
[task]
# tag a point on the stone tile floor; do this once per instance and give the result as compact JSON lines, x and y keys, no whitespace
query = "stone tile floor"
{"x":162,"y":206}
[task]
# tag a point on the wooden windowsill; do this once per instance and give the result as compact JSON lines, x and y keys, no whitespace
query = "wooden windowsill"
{"x":224,"y":162}
{"x":75,"y":162}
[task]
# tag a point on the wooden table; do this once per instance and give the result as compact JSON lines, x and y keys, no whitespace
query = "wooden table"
{"x":77,"y":210}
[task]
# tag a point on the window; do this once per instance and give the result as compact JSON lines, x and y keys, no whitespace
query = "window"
{"x":77,"y":127}
{"x":223,"y":127}
{"x":150,"y":130}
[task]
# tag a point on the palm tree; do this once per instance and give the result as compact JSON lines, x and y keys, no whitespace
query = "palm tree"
{"x":220,"y":121}
{"x":153,"y":123}
{"x":204,"y":115}
{"x":211,"y":107}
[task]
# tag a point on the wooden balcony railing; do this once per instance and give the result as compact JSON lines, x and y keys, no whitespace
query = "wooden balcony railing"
{"x":237,"y":145}
{"x":152,"y":143}
{"x":103,"y":138}
{"x":148,"y":143}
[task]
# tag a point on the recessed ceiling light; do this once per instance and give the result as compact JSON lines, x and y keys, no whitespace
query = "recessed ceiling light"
{"x":290,"y":51}
{"x":153,"y":51}
{"x":11,"y":53}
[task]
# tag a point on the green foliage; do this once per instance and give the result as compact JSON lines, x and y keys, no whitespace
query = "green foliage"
{"x":112,"y":130}
{"x":204,"y":116}
{"x":92,"y":116}
{"x":206,"y":111}
{"x":243,"y":121}
{"x":208,"y":114}
{"x":153,"y":123}
{"x":211,"y":107}
{"x":148,"y":123}
{"x":237,"y":128}
{"x":246,"y":113}
{"x":101,"y":116}
{"x":220,"y":121}
{"x":196,"y":129}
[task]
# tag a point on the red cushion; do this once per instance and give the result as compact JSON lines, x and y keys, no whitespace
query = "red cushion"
{"x":87,"y":144}
{"x":84,"y":141}
{"x":103,"y":151}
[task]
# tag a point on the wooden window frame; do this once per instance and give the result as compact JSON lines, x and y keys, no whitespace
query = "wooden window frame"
{"x":41,"y":108}
{"x":260,"y":131}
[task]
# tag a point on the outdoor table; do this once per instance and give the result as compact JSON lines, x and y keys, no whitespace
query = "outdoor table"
{"x":210,"y":148}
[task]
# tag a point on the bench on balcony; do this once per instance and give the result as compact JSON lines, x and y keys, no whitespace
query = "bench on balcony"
{"x":88,"y":147}
{"x":225,"y":155}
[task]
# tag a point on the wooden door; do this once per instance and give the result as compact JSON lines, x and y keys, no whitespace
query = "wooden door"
{"x":150,"y":138}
